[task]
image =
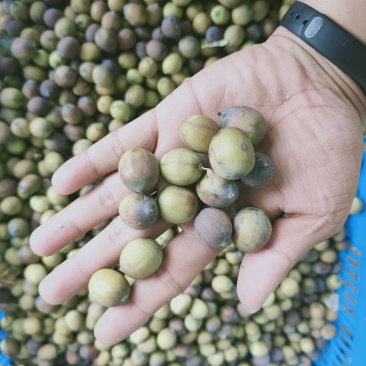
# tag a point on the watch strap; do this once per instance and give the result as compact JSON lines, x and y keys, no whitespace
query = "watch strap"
{"x":329,"y":39}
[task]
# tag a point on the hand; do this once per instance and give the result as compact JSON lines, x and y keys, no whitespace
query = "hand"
{"x":314,"y":138}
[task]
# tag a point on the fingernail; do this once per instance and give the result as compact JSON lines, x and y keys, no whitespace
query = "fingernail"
{"x":249,"y":310}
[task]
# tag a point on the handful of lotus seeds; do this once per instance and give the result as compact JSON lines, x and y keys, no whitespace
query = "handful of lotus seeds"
{"x":193,"y":192}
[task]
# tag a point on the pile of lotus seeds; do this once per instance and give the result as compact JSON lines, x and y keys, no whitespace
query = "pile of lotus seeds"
{"x":70,"y":72}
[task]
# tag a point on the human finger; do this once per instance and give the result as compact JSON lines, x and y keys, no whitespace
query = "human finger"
{"x":102,"y":157}
{"x":103,"y":251}
{"x":184,"y":258}
{"x":261,"y":272}
{"x":92,"y":208}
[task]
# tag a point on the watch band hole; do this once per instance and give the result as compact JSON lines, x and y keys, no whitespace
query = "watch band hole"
{"x":291,"y":13}
{"x":297,"y":16}
{"x":304,"y":21}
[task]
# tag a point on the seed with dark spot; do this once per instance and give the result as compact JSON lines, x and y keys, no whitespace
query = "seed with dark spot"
{"x":213,"y":33}
{"x":156,"y":50}
{"x":139,"y":170}
{"x":23,"y":49}
{"x":247,"y":119}
{"x":171,"y":27}
{"x":51,"y":16}
{"x":216,"y":191}
{"x":127,"y":39}
{"x":213,"y":227}
{"x":106,"y":39}
{"x":38,"y":106}
{"x":68,"y":47}
{"x":91,"y":31}
{"x":49,"y":89}
{"x":138,"y":211}
{"x":261,"y":174}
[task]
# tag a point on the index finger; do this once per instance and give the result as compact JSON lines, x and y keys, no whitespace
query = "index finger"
{"x":103,"y":157}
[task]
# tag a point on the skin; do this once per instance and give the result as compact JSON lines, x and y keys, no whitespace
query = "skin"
{"x":313,"y":113}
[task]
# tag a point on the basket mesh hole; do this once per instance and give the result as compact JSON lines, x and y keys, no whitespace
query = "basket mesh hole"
{"x":341,"y":363}
{"x":355,"y":250}
{"x":348,"y":309}
{"x":345,"y":330}
{"x":353,"y":288}
{"x":345,"y":342}
{"x":345,"y":354}
{"x":350,"y":298}
{"x":353,"y":262}
{"x":353,"y":274}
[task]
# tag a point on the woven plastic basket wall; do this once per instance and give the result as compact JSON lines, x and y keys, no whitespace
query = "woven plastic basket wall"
{"x":349,"y":346}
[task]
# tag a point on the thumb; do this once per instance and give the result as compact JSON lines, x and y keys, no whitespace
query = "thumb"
{"x":261,"y":272}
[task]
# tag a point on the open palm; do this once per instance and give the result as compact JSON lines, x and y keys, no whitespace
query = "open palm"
{"x":314,"y":138}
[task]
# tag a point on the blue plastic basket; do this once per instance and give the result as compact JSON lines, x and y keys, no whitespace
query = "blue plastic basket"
{"x":4,"y":360}
{"x":349,"y":346}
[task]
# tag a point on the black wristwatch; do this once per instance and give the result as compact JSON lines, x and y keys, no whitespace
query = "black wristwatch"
{"x":329,"y":39}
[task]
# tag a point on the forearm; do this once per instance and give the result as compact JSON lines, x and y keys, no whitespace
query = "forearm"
{"x":350,"y":15}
